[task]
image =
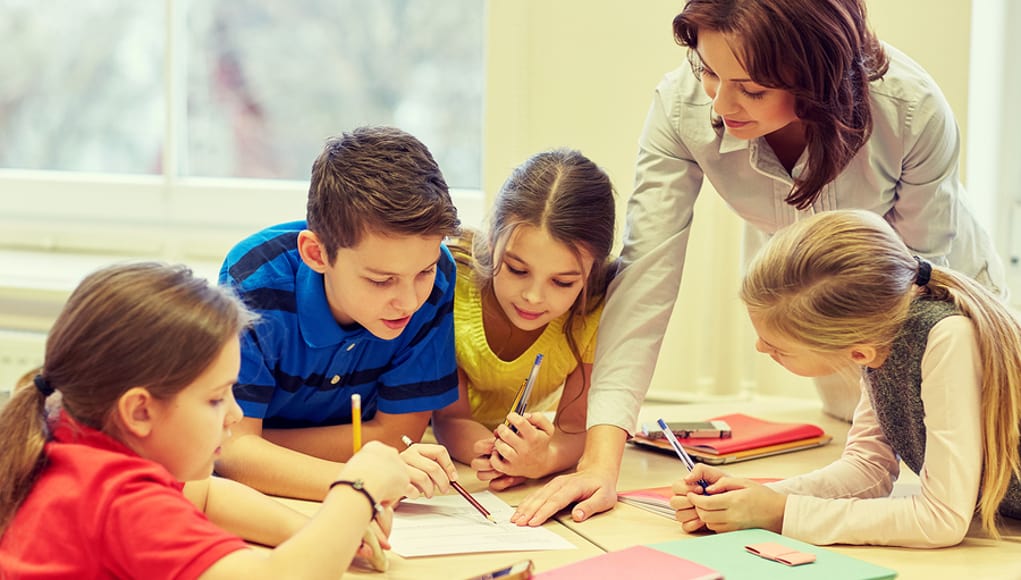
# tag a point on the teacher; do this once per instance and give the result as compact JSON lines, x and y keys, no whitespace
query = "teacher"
{"x":788,"y":108}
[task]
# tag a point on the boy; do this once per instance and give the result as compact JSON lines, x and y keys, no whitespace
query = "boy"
{"x":358,"y":299}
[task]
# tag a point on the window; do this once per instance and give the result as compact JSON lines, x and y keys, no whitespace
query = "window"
{"x":994,"y":129}
{"x":157,"y":118}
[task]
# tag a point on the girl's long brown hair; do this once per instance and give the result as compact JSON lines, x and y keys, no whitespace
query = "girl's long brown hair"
{"x":820,"y":51}
{"x":141,"y":324}
{"x":564,"y":193}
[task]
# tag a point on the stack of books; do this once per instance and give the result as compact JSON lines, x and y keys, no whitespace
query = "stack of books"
{"x":750,"y":438}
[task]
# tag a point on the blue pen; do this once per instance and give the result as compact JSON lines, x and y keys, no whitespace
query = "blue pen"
{"x":681,"y":453}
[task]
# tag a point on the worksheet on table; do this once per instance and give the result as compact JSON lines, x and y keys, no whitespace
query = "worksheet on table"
{"x":448,"y":524}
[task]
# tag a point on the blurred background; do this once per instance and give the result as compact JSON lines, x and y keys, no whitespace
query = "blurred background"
{"x":169,"y":129}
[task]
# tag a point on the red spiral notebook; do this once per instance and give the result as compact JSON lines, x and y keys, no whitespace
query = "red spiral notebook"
{"x":750,"y":438}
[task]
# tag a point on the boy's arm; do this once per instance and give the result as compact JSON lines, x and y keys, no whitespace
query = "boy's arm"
{"x":244,"y":511}
{"x":454,"y":427}
{"x":334,"y":442}
{"x":270,"y":468}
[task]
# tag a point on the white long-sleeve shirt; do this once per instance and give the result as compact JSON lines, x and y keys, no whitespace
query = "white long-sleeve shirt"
{"x":906,"y":172}
{"x":848,"y":501}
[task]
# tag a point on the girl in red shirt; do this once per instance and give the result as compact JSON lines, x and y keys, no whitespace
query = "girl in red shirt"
{"x":134,"y":398}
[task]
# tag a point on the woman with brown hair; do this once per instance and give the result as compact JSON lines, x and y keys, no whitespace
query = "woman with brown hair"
{"x":788,"y":108}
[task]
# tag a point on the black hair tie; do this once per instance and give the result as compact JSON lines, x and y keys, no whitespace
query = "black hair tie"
{"x":43,"y":385}
{"x":924,"y":271}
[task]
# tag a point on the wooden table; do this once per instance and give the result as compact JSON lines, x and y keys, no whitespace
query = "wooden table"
{"x":625,"y":525}
{"x":460,"y":566}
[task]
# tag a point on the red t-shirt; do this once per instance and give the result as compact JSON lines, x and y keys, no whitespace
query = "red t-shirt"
{"x":99,"y":510}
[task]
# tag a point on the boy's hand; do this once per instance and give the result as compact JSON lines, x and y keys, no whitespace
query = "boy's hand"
{"x":525,"y":449}
{"x":429,"y":468}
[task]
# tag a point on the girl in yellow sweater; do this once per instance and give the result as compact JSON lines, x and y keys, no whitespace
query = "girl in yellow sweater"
{"x":532,"y":284}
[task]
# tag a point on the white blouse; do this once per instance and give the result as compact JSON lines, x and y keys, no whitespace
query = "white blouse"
{"x":906,"y":172}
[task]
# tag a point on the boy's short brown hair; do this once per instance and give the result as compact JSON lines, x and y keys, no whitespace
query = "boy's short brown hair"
{"x":377,"y":179}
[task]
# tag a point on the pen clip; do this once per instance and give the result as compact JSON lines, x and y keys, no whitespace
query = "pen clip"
{"x":525,"y":392}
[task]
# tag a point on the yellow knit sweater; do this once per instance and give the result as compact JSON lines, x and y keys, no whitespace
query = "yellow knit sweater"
{"x":492,"y":382}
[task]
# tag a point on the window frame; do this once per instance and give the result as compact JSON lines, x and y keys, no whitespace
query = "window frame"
{"x":166,"y":216}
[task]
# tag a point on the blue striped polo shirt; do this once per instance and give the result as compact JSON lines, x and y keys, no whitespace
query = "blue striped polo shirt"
{"x":299,"y":367}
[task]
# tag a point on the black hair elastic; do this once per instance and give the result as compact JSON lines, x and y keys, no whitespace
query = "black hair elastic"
{"x":924,"y":271}
{"x":43,"y":385}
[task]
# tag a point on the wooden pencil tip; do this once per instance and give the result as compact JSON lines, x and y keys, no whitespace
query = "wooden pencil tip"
{"x":491,"y":518}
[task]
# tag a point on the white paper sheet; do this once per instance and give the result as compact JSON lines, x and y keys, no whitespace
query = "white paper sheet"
{"x":450,"y":525}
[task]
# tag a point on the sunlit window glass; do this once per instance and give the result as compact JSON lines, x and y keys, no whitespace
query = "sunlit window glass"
{"x":256,"y":86}
{"x":82,"y":85}
{"x":268,"y":81}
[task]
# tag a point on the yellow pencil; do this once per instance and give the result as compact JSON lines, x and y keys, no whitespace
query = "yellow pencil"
{"x":356,"y":421}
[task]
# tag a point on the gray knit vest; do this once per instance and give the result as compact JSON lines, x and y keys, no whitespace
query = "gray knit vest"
{"x":896,"y":387}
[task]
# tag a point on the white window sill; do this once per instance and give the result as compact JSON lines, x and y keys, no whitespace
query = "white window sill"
{"x":34,"y":284}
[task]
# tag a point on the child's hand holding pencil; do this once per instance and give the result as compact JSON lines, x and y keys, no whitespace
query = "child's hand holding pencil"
{"x":523,"y":448}
{"x":453,"y":483}
{"x":430,"y":468}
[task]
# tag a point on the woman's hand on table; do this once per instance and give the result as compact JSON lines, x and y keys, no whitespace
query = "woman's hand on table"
{"x":594,"y":489}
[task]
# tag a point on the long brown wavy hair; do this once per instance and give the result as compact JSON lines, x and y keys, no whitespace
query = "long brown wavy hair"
{"x":820,"y":51}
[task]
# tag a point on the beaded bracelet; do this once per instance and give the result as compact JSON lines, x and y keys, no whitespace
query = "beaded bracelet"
{"x":359,"y":486}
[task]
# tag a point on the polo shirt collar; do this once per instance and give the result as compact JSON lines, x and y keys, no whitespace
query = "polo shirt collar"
{"x":67,"y":430}
{"x":315,"y":320}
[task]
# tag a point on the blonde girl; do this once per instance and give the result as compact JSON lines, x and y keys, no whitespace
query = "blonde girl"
{"x":940,"y":363}
{"x":134,"y":398}
{"x":532,"y":284}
